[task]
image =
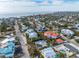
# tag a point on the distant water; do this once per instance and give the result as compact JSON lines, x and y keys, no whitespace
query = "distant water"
{"x":21,"y":14}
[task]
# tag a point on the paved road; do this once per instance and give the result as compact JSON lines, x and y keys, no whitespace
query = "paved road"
{"x":23,"y":41}
{"x":71,"y":41}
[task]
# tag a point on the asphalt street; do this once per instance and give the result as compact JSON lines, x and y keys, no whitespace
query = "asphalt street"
{"x":23,"y":41}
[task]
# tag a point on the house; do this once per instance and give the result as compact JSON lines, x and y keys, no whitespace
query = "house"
{"x":31,"y":33}
{"x":59,"y":41}
{"x":29,"y":30}
{"x":51,"y":34}
{"x":36,"y":19}
{"x":64,"y":50}
{"x":48,"y":52}
{"x":42,"y":29}
{"x":41,"y":44}
{"x":8,"y":51}
{"x":72,"y":47}
{"x":24,"y":28}
{"x":76,"y":26}
{"x":77,"y":55}
{"x":67,"y":32}
{"x":7,"y":46}
{"x":8,"y":39}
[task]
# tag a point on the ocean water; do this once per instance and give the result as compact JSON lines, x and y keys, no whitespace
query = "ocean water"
{"x":21,"y":14}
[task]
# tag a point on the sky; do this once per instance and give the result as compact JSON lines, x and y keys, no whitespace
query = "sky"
{"x":26,"y":6}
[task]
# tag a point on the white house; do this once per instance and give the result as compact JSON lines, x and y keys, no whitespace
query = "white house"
{"x":67,"y":32}
{"x":8,"y":39}
{"x":48,"y":52}
{"x":76,"y":26}
{"x":31,"y":33}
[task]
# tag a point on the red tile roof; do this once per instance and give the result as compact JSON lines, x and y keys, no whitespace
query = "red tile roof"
{"x":50,"y":33}
{"x":59,"y":40}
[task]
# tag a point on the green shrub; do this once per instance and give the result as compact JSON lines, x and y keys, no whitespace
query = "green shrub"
{"x":77,"y":41}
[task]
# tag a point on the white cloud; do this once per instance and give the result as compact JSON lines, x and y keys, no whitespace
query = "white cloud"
{"x":16,"y":7}
{"x":29,"y":6}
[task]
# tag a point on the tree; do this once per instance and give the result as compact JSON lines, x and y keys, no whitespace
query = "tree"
{"x":3,"y":27}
